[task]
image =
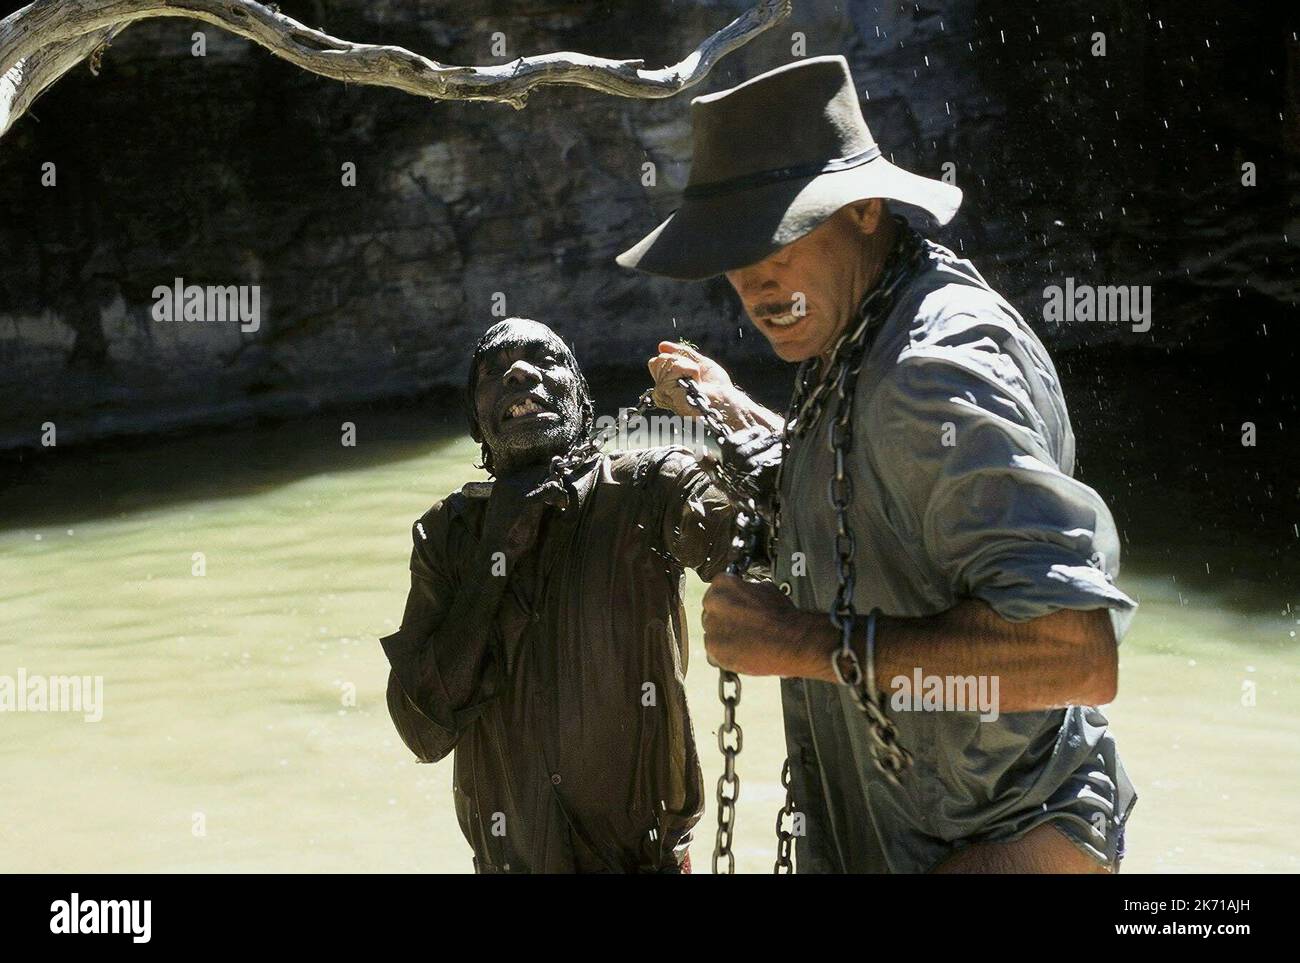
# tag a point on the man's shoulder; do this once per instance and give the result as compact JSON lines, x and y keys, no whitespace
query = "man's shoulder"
{"x":959,"y":330}
{"x":956,"y":307}
{"x":963,"y":352}
{"x":462,"y":504}
{"x":641,"y":466}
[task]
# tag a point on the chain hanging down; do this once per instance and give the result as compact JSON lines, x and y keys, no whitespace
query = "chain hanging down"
{"x":746,"y":549}
{"x":745,"y":546}
{"x":784,"y":865}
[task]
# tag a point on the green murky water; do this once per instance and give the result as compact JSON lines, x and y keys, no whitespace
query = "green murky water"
{"x":229,"y":740}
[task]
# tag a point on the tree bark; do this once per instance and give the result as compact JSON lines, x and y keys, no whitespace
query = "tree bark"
{"x":42,"y":41}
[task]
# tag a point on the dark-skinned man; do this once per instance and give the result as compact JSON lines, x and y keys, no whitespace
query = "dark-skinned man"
{"x":921,"y":492}
{"x":543,"y":638}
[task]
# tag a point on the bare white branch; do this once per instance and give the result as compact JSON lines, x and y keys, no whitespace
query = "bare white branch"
{"x":40,"y":42}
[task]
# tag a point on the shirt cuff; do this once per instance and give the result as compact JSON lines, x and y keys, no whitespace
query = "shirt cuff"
{"x":1035,"y":581}
{"x":418,"y":677}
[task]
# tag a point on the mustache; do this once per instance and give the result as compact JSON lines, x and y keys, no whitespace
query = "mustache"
{"x":771,"y":309}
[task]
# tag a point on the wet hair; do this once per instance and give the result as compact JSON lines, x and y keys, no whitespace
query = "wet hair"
{"x":504,"y":334}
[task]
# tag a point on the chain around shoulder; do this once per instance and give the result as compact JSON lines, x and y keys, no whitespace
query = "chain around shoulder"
{"x":810,"y":392}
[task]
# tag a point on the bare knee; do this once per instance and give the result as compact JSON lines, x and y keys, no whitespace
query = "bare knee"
{"x":1044,"y":849}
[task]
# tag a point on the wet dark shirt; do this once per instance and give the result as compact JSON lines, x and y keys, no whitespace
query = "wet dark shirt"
{"x":573,"y":747}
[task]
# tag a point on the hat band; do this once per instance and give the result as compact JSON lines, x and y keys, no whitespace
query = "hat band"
{"x":759,"y":178}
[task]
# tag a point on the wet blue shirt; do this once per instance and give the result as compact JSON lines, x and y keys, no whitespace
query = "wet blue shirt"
{"x":962,"y":467}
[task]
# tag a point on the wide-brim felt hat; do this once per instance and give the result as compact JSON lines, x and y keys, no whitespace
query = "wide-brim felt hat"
{"x":772,"y":159}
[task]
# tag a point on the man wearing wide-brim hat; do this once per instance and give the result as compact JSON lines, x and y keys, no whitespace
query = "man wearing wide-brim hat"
{"x":942,"y":612}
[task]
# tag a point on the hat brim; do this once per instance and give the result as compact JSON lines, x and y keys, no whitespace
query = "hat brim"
{"x":710,"y":235}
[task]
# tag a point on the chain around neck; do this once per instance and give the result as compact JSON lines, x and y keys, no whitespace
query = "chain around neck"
{"x":810,"y":390}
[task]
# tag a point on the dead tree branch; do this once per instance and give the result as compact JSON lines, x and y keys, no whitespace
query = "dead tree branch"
{"x":40,"y":42}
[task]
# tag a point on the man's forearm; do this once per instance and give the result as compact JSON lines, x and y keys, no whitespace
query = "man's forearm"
{"x":1065,"y":658}
{"x":739,"y":411}
{"x":439,"y":667}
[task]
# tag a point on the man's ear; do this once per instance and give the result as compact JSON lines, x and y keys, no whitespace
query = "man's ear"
{"x":471,"y":418}
{"x":867,"y":214}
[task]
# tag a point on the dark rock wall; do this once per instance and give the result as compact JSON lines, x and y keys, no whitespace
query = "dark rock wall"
{"x":226,"y":169}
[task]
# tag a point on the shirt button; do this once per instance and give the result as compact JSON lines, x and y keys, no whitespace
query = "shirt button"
{"x":555,"y":779}
{"x":786,"y":588}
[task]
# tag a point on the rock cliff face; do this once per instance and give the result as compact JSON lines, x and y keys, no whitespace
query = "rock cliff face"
{"x":229,"y":169}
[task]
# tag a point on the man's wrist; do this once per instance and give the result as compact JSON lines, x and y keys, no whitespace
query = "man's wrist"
{"x":729,"y":402}
{"x":739,"y":411}
{"x":821,"y":644}
{"x":817,"y":643}
{"x":885,"y":625}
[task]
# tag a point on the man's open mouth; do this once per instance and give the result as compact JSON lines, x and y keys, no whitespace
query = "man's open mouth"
{"x":780,"y":315}
{"x":525,"y":408}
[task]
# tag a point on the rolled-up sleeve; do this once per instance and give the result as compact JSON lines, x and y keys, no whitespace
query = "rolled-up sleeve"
{"x":972,"y":468}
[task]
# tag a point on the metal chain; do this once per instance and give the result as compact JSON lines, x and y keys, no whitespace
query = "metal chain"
{"x":890,"y":757}
{"x":785,"y":836}
{"x":730,"y":735}
{"x":577,"y":456}
{"x":749,"y":535}
{"x":838,"y":381}
{"x":729,"y":781}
